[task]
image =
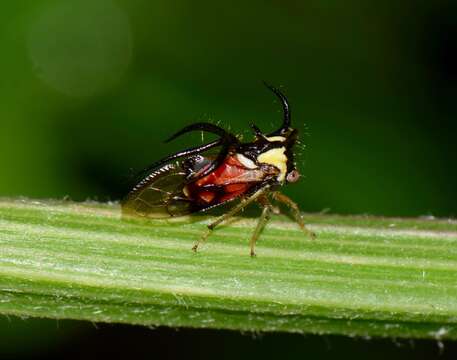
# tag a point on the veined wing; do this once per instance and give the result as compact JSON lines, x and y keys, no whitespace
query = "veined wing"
{"x":168,"y":190}
{"x":159,"y":194}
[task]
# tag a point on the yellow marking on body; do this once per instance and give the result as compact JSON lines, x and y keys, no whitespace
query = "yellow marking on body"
{"x":277,"y":158}
{"x":276,"y":138}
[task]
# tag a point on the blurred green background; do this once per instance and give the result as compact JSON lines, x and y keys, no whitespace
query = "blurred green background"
{"x":90,"y":89}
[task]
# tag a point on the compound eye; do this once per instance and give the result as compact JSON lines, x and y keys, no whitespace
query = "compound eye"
{"x":293,"y":176}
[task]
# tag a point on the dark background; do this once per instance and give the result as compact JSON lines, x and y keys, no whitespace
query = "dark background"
{"x":90,"y":89}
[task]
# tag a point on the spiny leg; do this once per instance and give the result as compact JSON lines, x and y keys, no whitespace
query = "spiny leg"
{"x":243,"y":203}
{"x":264,"y":217}
{"x":295,"y":212}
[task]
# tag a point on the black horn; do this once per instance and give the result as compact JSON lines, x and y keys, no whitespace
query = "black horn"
{"x":204,"y":126}
{"x":285,"y":109}
{"x":226,"y":140}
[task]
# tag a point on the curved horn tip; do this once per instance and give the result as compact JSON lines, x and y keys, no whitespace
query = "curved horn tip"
{"x":285,"y":107}
{"x":266,"y":84}
{"x":273,"y":88}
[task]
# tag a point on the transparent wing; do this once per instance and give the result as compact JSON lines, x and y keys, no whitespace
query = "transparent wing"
{"x":159,"y":194}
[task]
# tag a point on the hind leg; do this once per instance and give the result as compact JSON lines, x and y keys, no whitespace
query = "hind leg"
{"x":295,"y":212}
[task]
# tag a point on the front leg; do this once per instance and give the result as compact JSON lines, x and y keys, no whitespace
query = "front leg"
{"x":295,"y":212}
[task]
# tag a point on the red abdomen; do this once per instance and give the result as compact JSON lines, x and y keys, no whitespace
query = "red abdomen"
{"x":230,"y":180}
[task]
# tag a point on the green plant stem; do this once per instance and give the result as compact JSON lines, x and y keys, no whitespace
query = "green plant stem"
{"x":362,"y":276}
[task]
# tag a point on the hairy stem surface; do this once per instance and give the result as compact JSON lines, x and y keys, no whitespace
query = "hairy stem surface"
{"x":362,"y":275}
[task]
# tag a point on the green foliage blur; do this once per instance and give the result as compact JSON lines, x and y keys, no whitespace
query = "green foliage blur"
{"x":90,"y":89}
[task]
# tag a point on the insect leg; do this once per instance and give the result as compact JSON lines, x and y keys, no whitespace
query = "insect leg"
{"x":295,"y":212}
{"x":264,"y":217}
{"x":243,"y":203}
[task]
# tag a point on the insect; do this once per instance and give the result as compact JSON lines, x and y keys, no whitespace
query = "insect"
{"x":193,"y":181}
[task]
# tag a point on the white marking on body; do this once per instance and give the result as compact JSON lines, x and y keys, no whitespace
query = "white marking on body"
{"x":276,"y":138}
{"x":277,"y":158}
{"x":246,"y":162}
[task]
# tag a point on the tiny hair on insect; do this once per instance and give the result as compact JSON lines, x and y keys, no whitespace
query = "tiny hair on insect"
{"x":198,"y":179}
